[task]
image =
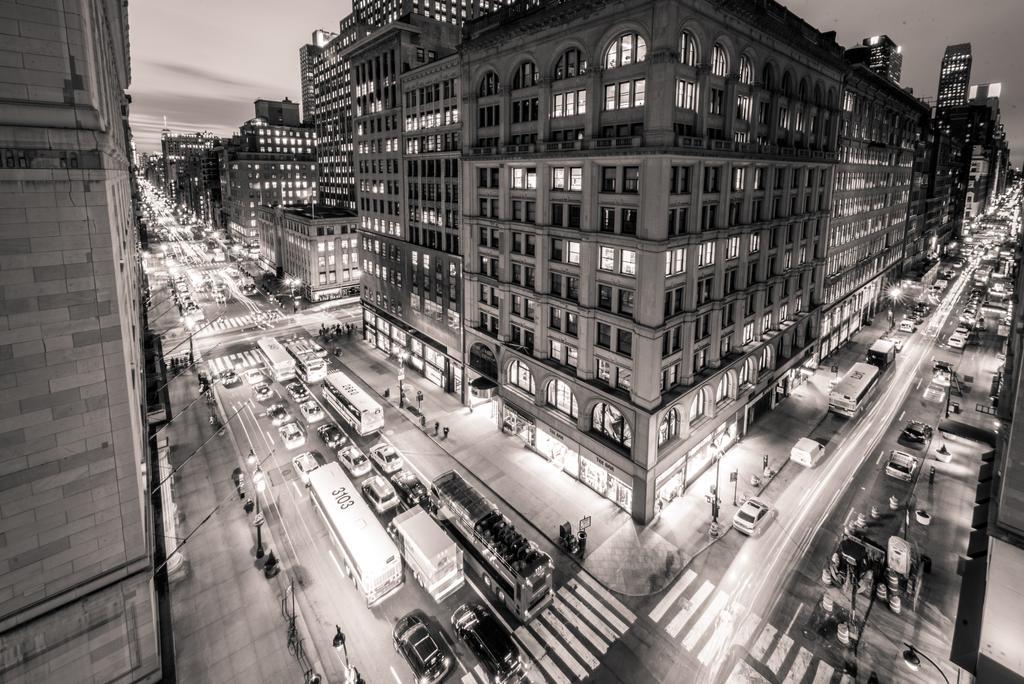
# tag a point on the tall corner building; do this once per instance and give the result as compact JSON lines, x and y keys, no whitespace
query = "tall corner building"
{"x":76,"y":576}
{"x":954,"y":76}
{"x":644,"y":266}
{"x":309,"y":54}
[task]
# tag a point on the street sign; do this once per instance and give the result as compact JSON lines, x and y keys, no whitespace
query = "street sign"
{"x":584,"y":523}
{"x":401,"y":373}
{"x":835,"y":369}
{"x":734,"y":475}
{"x":258,"y":520}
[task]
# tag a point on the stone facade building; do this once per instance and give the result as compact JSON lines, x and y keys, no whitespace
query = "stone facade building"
{"x":643,"y":264}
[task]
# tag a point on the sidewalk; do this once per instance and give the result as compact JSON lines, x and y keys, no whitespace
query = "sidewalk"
{"x":627,"y":558}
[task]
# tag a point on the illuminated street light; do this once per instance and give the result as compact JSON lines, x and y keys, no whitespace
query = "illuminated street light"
{"x":894,"y":297}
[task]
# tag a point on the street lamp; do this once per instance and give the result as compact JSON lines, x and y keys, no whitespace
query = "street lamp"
{"x":259,"y":481}
{"x":894,"y":297}
{"x":292,"y":283}
{"x":402,"y":356}
{"x":912,"y":659}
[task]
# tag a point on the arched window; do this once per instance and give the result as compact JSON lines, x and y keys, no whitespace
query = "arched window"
{"x":719,"y":61}
{"x":688,"y":49}
{"x":787,"y":84}
{"x":608,"y":421}
{"x":525,"y":76}
{"x":722,"y":393}
{"x":767,"y":77}
{"x":570,"y":64}
{"x":669,"y":428}
{"x":745,"y":373}
{"x":629,"y":48}
{"x":489,"y":84}
{"x":559,"y":396}
{"x":698,"y":406}
{"x":766,"y":358}
{"x":519,"y":374}
{"x":746,"y":70}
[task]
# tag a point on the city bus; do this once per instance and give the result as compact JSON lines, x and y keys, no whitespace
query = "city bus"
{"x":310,"y":367}
{"x":854,"y":390}
{"x":354,"y":405}
{"x":281,"y":365}
{"x":370,"y":557}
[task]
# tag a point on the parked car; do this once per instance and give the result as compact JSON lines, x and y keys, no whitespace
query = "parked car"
{"x":754,"y":515}
{"x":410,"y":490}
{"x":354,"y":460}
{"x":331,"y":435}
{"x":916,"y":432}
{"x":487,"y":638}
{"x":907,"y":325}
{"x":901,"y":465}
{"x":292,"y":435}
{"x":963,"y":329}
{"x":386,"y":457}
{"x":957,"y":341}
{"x":896,"y":340}
{"x":311,"y":411}
{"x":229,"y":378}
{"x":422,"y":648}
{"x":297,"y":391}
{"x":305,"y":463}
{"x":278,"y":414}
{"x":379,"y":493}
{"x":262,"y":392}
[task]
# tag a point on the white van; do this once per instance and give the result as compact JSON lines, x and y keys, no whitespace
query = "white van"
{"x":807,"y":452}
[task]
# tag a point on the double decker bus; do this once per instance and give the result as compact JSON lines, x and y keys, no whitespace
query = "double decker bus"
{"x":310,"y":367}
{"x":371,"y":559}
{"x":517,"y":572}
{"x":854,"y":390}
{"x":355,"y":406}
{"x":281,"y":365}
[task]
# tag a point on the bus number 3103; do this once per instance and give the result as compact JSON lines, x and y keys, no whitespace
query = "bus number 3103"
{"x":342,"y":498}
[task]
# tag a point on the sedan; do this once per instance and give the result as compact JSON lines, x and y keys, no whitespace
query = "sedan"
{"x":311,"y":411}
{"x":410,"y":490}
{"x":331,"y":435}
{"x":229,"y":378}
{"x":963,"y":329}
{"x":278,"y":414}
{"x":957,"y":341}
{"x":305,"y":463}
{"x":386,"y":457}
{"x":262,"y":392}
{"x":753,"y":516}
{"x":297,"y":391}
{"x":901,"y":465}
{"x":907,"y":325}
{"x":291,"y":435}
{"x":421,"y":648}
{"x":489,"y":641}
{"x":255,"y":376}
{"x":379,"y":493}
{"x":916,"y":432}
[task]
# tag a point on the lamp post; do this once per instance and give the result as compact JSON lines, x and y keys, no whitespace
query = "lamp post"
{"x":912,"y":659}
{"x":402,"y":356}
{"x":292,"y":282}
{"x":894,"y":297}
{"x":259,"y":481}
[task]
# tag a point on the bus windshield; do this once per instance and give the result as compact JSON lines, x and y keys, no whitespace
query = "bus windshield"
{"x":282,"y":366}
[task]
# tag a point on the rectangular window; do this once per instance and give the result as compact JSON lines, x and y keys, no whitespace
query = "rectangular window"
{"x":743,"y":107}
{"x":748,"y":333}
{"x":706,"y":256}
{"x":739,"y":178}
{"x":608,"y":178}
{"x":607,"y":224}
{"x":604,"y":335}
{"x":628,"y":262}
{"x":624,"y":342}
{"x":626,"y":302}
{"x":686,"y":94}
{"x":732,"y":248}
{"x":628,"y":226}
{"x":680,"y":180}
{"x":556,"y":249}
{"x":755,"y":242}
{"x":631,"y":179}
{"x":607,"y":259}
{"x":572,"y":252}
{"x":524,"y":178}
{"x":555,"y":350}
{"x":715,"y":101}
{"x":604,"y":297}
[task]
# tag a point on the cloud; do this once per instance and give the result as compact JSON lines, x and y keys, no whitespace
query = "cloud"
{"x":200,"y":74}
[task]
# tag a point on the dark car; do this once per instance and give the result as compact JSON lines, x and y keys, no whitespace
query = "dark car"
{"x":331,"y":435}
{"x":410,"y":490}
{"x":922,"y":309}
{"x":278,"y":414}
{"x":229,"y":378}
{"x":297,"y":391}
{"x":487,"y":639}
{"x":421,"y":649}
{"x":916,"y":432}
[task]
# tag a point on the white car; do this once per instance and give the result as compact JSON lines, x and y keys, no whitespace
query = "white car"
{"x":305,"y":463}
{"x":255,"y":376}
{"x":292,"y":435}
{"x":311,"y":411}
{"x":379,"y":493}
{"x":754,"y":515}
{"x":354,"y":460}
{"x":957,"y":341}
{"x":901,"y":465}
{"x":386,"y":457}
{"x":963,"y":329}
{"x":907,"y":325}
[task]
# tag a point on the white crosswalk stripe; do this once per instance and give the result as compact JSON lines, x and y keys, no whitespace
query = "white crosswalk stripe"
{"x":764,"y":640}
{"x":554,"y":644}
{"x":692,"y":606}
{"x":237,"y":361}
{"x":778,"y":656}
{"x":579,"y":650}
{"x":743,"y":673}
{"x":696,"y":633}
{"x":597,"y":623}
{"x":474,"y":676}
{"x":677,"y":590}
{"x":799,"y":667}
{"x":605,"y":612}
{"x":580,"y":626}
{"x":626,"y":613}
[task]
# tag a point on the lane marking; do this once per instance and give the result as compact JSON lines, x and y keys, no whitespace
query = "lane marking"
{"x":793,"y":620}
{"x":881,"y":455}
{"x":902,"y":413}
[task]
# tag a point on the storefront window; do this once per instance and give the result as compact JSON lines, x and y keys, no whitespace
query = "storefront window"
{"x":519,"y":375}
{"x":609,"y":422}
{"x":593,"y":475}
{"x":559,"y":396}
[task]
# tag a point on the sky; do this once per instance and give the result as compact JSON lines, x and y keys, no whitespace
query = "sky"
{"x":202,"y":63}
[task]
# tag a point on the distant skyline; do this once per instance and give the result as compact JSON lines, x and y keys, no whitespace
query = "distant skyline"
{"x":202,"y":64}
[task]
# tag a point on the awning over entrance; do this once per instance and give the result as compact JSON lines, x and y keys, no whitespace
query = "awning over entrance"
{"x":483,"y":388}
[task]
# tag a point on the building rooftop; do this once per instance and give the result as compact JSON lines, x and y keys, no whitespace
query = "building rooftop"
{"x":320,"y":212}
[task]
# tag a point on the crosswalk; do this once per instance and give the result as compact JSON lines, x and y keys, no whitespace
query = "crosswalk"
{"x":706,"y":621}
{"x":234,"y":322}
{"x":565,"y":643}
{"x":239,"y":361}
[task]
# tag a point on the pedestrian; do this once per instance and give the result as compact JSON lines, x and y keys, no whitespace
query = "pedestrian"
{"x":437,"y":426}
{"x":446,"y":432}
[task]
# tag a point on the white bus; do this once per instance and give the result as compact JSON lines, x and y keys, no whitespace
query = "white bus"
{"x":853,"y":391}
{"x":354,"y":405}
{"x":310,"y":367}
{"x":370,"y":557}
{"x":282,"y":366}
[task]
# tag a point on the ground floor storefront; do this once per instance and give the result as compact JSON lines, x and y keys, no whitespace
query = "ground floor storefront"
{"x":839,"y":323}
{"x":396,"y":339}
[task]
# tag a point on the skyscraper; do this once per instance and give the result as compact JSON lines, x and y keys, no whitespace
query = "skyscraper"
{"x":954,"y":76}
{"x":308,"y":56}
{"x":77,"y":583}
{"x":880,"y":54}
